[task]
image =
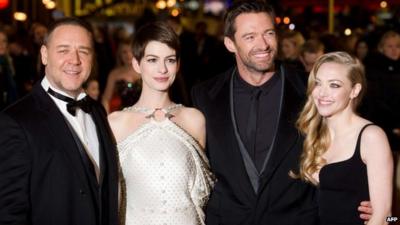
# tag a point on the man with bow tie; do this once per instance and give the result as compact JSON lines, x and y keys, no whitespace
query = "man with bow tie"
{"x":58,"y":162}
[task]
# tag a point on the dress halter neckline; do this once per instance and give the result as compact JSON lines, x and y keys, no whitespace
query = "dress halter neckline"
{"x":149,"y":112}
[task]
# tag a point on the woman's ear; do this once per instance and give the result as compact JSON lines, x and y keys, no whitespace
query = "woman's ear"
{"x":136,"y":66}
{"x":355,"y":90}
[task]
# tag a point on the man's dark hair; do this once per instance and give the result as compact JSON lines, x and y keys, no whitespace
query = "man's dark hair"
{"x":69,"y":21}
{"x":154,"y":31}
{"x":246,"y":6}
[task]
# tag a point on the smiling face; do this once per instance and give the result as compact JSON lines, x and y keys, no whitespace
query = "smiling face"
{"x":255,"y":42}
{"x":333,"y":91}
{"x":158,"y":67}
{"x":68,"y":57}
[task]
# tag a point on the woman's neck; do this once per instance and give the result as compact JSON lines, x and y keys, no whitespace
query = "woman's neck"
{"x":341,"y":124}
{"x":154,"y":100}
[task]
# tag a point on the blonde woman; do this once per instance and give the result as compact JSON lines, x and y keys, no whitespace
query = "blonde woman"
{"x":345,"y":156}
{"x":123,"y":83}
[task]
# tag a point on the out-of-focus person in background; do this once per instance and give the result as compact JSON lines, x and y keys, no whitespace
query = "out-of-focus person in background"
{"x":311,"y":50}
{"x":291,"y":43}
{"x":38,"y":32}
{"x":123,"y":84}
{"x":361,"y":49}
{"x":8,"y":89}
{"x":92,"y":88}
{"x":383,"y":96}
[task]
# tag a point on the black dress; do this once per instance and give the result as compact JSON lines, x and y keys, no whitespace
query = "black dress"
{"x":343,"y":185}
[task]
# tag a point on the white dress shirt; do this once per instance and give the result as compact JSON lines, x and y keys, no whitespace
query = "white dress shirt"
{"x":82,"y":123}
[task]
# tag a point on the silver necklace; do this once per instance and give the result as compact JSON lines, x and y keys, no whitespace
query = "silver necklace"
{"x":150,"y":112}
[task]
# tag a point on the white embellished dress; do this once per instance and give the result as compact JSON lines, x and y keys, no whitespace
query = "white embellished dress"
{"x":166,"y":173}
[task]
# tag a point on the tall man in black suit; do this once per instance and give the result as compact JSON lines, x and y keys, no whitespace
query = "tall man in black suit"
{"x":252,"y":141}
{"x":58,"y":163}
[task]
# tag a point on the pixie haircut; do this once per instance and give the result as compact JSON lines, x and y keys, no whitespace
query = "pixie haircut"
{"x":69,"y":21}
{"x":241,"y":7}
{"x":154,"y":31}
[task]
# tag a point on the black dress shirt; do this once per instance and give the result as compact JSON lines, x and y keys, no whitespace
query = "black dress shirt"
{"x":267,"y":114}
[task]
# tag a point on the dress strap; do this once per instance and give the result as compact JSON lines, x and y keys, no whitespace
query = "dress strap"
{"x":359,"y":137}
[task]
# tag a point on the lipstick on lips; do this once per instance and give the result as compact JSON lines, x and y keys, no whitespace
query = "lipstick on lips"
{"x":161,"y":79}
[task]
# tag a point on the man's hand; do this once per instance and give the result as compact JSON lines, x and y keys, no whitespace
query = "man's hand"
{"x":365,"y":210}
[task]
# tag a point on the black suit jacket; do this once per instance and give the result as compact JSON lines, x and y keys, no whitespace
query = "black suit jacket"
{"x":281,"y":200}
{"x":43,"y":177}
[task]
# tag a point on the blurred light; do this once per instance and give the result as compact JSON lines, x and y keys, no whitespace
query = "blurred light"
{"x":278,"y":20}
{"x":175,"y":12}
{"x":20,"y":16}
{"x":171,"y":3}
{"x":347,"y":32}
{"x":193,"y":5}
{"x":50,"y":5}
{"x":45,"y":2}
{"x":286,"y":20}
{"x":215,"y":7}
{"x":292,"y":26}
{"x":109,"y":12}
{"x":161,"y":4}
{"x":3,"y":4}
{"x":383,"y":4}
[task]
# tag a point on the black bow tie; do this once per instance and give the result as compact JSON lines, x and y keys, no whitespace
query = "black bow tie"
{"x":72,"y":104}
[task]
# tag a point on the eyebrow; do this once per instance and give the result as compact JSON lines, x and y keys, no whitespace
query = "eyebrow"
{"x":151,"y":55}
{"x":69,"y":46}
{"x":335,"y":80}
{"x":253,"y":32}
{"x":331,"y":80}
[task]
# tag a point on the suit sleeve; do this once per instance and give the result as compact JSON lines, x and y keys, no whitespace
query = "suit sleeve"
{"x":194,"y":97}
{"x":14,"y":173}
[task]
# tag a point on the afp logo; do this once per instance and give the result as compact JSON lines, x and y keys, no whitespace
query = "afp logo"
{"x":392,"y":219}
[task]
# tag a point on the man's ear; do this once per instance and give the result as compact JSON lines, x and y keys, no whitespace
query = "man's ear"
{"x":229,"y":44}
{"x":43,"y":54}
{"x":136,"y":66}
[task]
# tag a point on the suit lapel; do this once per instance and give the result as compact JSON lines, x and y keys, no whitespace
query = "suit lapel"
{"x":107,"y":147}
{"x":60,"y":132}
{"x":287,"y":135}
{"x":221,"y":94}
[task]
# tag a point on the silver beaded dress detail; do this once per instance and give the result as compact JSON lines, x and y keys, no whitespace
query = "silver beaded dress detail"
{"x":166,"y":173}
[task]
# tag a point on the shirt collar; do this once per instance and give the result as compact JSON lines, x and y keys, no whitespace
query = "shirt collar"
{"x":46,"y":85}
{"x":242,"y":86}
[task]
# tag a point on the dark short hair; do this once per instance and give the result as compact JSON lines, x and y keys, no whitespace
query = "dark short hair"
{"x":69,"y":21}
{"x":154,"y":31}
{"x":245,"y":6}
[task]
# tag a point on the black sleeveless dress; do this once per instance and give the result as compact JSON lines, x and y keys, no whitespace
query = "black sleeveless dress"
{"x":343,"y":185}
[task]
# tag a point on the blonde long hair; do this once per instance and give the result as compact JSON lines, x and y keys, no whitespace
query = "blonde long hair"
{"x":313,"y":125}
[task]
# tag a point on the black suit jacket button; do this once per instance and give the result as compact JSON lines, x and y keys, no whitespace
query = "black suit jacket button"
{"x":82,"y":192}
